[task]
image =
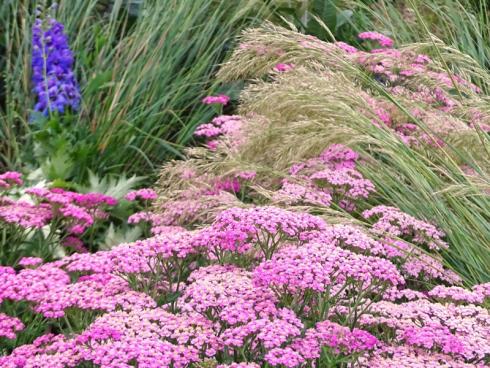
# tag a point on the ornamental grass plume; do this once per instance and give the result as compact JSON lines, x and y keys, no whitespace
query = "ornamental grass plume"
{"x":398,"y":71}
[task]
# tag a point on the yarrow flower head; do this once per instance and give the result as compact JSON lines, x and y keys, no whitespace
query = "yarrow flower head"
{"x":266,"y":228}
{"x":30,"y":261}
{"x":220,"y":99}
{"x":9,"y":179}
{"x":283,"y":67}
{"x":9,"y":326}
{"x":54,"y":82}
{"x":330,"y":177}
{"x":383,"y":40}
{"x":393,"y":222}
{"x":145,"y":194}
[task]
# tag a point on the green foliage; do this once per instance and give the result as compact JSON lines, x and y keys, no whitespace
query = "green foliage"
{"x":142,"y":79}
{"x":460,"y":24}
{"x":325,"y":19}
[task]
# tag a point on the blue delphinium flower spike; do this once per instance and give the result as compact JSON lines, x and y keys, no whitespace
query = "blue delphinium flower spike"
{"x":54,"y":82}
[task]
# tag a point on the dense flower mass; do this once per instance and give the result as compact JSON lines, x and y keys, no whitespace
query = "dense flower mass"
{"x":238,"y":229}
{"x":74,"y":212}
{"x":54,"y":81}
{"x":9,"y":326}
{"x":37,"y":222}
{"x":314,"y":292}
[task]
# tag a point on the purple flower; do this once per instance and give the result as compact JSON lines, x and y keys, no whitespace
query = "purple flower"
{"x":54,"y":82}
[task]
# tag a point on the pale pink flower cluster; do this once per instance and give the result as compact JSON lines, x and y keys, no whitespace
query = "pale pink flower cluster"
{"x":455,"y":294}
{"x":459,"y":330}
{"x":197,"y":204}
{"x":395,"y":223}
{"x":223,"y":125}
{"x":145,"y":194}
{"x":388,"y":356}
{"x":411,"y":261}
{"x":151,"y":338}
{"x":330,"y":177}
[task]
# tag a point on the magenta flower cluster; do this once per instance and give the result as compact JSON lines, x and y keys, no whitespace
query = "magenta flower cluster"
{"x":55,"y":217}
{"x":383,"y":40}
{"x":219,"y":99}
{"x":73,"y":212}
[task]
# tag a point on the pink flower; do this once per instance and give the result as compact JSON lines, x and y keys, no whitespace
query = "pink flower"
{"x":10,"y":178}
{"x":283,"y":67}
{"x":220,"y":99}
{"x":9,"y":326}
{"x":145,"y":194}
{"x":346,"y":47}
{"x":383,"y":40}
{"x":30,"y":261}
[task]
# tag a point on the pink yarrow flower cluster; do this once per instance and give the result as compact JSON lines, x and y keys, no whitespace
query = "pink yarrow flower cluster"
{"x":219,"y":99}
{"x":145,"y":194}
{"x":330,"y":177}
{"x":283,"y":67}
{"x":221,"y":126}
{"x":393,"y":222}
{"x":383,"y":40}
{"x":9,"y":179}
{"x":9,"y":326}
{"x":30,"y":261}
{"x":261,"y":229}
